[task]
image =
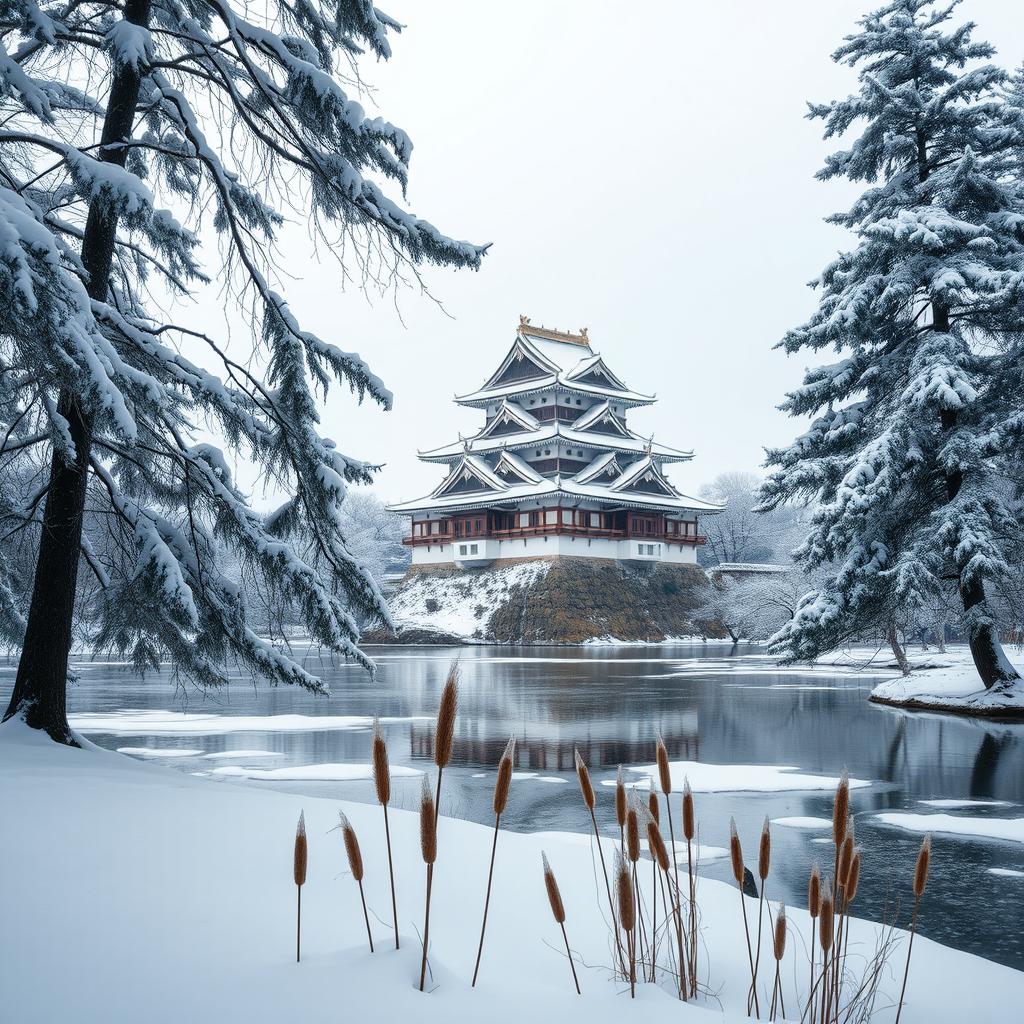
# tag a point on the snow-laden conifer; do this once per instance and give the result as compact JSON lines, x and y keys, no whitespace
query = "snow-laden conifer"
{"x":130,"y":132}
{"x":915,"y":419}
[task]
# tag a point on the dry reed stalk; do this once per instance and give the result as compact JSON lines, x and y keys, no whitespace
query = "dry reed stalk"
{"x":501,"y":788}
{"x":627,"y":914}
{"x":764,"y":860}
{"x":558,"y":912}
{"x":444,"y":733}
{"x":665,"y":781}
{"x":736,"y":859}
{"x":924,"y":858}
{"x":428,"y":848}
{"x":300,"y":860}
{"x":825,"y":935}
{"x":851,"y":892}
{"x":620,"y":808}
{"x":590,"y":799}
{"x":355,"y":865}
{"x":632,"y":831}
{"x":842,"y":879}
{"x":664,"y":772}
{"x":814,"y":909}
{"x":779,"y":949}
{"x":689,"y":831}
{"x":653,"y":808}
{"x":382,"y":783}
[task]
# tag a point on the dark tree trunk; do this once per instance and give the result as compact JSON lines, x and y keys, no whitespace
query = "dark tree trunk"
{"x":40,"y":688}
{"x":986,"y":650}
{"x":897,"y":648}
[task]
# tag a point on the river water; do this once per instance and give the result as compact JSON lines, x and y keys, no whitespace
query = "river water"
{"x":712,"y":704}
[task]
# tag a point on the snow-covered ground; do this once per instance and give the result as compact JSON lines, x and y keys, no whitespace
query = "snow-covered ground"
{"x":938,"y":681}
{"x":137,"y":893}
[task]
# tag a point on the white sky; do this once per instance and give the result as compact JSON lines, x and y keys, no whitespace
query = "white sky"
{"x":644,"y":170}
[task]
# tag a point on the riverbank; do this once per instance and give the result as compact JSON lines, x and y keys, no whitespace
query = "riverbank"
{"x":138,"y":892}
{"x":945,"y":681}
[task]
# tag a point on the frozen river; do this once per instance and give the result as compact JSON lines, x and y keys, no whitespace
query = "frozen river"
{"x":711,"y":704}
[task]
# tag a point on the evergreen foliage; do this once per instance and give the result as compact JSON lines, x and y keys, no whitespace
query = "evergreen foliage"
{"x":917,"y":423}
{"x":131,"y":132}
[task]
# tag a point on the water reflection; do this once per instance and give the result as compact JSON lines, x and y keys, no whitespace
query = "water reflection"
{"x":711,"y":704}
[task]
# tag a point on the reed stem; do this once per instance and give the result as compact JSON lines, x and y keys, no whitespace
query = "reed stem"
{"x":910,"y":949}
{"x":750,"y":951}
{"x":298,"y":924}
{"x":487,"y":899}
{"x":366,"y":916}
{"x":568,"y":953}
{"x":391,"y":874}
{"x":426,"y":927}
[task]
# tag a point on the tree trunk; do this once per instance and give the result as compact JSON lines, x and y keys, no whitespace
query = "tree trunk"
{"x":986,"y":650}
{"x":40,"y":688}
{"x":897,"y":648}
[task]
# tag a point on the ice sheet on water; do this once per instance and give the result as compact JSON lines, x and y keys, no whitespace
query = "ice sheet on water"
{"x":1008,"y":829}
{"x":739,"y":778}
{"x":158,"y":752}
{"x":186,"y":723}
{"x":313,"y":773}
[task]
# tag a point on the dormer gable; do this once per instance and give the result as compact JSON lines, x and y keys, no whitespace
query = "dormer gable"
{"x":522,"y":363}
{"x":602,"y":420}
{"x":469,"y":475}
{"x":602,"y":470}
{"x":514,"y":470}
{"x":594,"y":371}
{"x":509,"y":419}
{"x":645,"y":477}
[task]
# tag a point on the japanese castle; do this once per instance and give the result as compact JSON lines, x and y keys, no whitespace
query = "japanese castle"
{"x":555,"y":471}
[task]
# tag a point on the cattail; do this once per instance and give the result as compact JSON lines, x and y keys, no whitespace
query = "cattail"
{"x":586,"y":786}
{"x":445,"y":733}
{"x":620,"y":799}
{"x":299,"y":862}
{"x":624,"y":893}
{"x":825,"y":920}
{"x":355,"y":856}
{"x":355,"y":863}
{"x":652,"y":806}
{"x":814,"y":892}
{"x":764,"y":852}
{"x":664,"y":773}
{"x":657,"y":845}
{"x":924,"y":857}
{"x":689,"y":829}
{"x":845,"y":862}
{"x":735,"y":853}
{"x":301,"y":858}
{"x":764,"y":860}
{"x":428,"y":847}
{"x":736,"y":857}
{"x":381,"y":769}
{"x":840,"y":810}
{"x":382,"y":783}
{"x":780,"y":932}
{"x":590,"y":799}
{"x":428,"y":826}
{"x":558,"y":911}
{"x":632,"y":835}
{"x":853,"y":878}
{"x":501,"y":787}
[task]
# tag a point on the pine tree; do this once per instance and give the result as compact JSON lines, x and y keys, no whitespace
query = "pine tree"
{"x":129,"y":130}
{"x":915,"y":423}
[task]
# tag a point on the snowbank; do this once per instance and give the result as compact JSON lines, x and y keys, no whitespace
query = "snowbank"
{"x":140,"y":893}
{"x":938,"y":681}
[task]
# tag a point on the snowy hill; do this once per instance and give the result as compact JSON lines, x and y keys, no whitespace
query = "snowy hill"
{"x":557,"y":601}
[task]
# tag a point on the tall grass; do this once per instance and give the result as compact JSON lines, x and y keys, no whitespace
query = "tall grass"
{"x":736,"y":861}
{"x":428,"y":849}
{"x":924,"y":858}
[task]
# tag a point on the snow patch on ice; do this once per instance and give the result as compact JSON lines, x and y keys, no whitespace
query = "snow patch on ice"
{"x":803,"y":822}
{"x":313,"y":773}
{"x":1006,"y":872}
{"x":225,"y":755}
{"x":158,"y":752}
{"x":1008,"y":829}
{"x":953,"y":805}
{"x":183,"y":723}
{"x":739,"y":778}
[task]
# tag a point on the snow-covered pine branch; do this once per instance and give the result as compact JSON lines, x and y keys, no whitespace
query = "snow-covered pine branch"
{"x":129,"y":132}
{"x":914,"y":425}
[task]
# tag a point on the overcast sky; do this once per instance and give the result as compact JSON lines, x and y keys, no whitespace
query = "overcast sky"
{"x":645,"y":170}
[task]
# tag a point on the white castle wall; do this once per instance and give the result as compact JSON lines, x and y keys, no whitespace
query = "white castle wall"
{"x":553,"y":546}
